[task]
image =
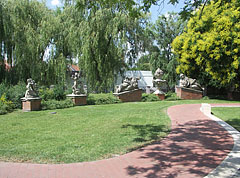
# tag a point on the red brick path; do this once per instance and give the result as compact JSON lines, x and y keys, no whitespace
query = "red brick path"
{"x":195,"y":146}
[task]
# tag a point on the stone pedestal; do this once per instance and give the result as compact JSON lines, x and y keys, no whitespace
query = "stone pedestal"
{"x":78,"y":100}
{"x":161,"y":96}
{"x":129,"y":96}
{"x":31,"y":104}
{"x":188,"y":94}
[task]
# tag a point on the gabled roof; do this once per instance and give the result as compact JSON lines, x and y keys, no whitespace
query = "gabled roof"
{"x":74,"y":68}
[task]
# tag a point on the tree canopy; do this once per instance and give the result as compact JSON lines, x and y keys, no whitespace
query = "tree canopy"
{"x":211,"y":45}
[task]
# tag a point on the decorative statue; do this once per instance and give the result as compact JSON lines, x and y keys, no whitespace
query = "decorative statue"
{"x":31,"y":91}
{"x":75,"y":89}
{"x":157,"y":81}
{"x":129,"y":83}
{"x":189,"y":83}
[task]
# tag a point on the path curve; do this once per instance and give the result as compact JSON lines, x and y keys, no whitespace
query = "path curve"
{"x":195,"y":146}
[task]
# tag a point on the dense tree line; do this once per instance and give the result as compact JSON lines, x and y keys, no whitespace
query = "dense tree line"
{"x":106,"y":37}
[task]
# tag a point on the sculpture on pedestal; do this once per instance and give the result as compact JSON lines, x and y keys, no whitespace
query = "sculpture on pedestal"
{"x":31,"y":101}
{"x":31,"y":91}
{"x":189,"y":83}
{"x":129,"y":84}
{"x":158,"y":82}
{"x":78,"y":95}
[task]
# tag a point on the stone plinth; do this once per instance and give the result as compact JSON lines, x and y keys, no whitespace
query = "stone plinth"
{"x":129,"y":96}
{"x":31,"y":104}
{"x":78,"y":100}
{"x":188,"y":94}
{"x":161,"y":96}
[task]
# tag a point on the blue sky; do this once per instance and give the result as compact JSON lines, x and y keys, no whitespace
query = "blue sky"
{"x":155,"y":10}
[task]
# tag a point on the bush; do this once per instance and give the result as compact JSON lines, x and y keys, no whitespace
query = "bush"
{"x":98,"y":99}
{"x":170,"y":96}
{"x":55,"y":93}
{"x":15,"y":93}
{"x":5,"y":106}
{"x":54,"y":104}
{"x":149,"y":97}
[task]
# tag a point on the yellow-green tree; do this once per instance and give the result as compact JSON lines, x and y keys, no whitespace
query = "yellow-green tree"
{"x":211,"y":44}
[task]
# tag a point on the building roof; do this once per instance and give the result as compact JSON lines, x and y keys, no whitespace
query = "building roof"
{"x":74,"y":68}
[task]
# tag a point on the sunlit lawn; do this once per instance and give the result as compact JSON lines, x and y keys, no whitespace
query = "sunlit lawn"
{"x":231,"y":115}
{"x":83,"y":133}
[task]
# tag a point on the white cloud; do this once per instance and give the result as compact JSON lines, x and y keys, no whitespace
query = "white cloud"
{"x":55,"y":2}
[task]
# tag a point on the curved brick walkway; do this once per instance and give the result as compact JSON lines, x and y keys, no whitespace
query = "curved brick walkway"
{"x":195,"y":146}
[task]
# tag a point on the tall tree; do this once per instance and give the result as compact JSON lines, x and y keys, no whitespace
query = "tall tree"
{"x":163,"y":32}
{"x":25,"y":36}
{"x":211,"y":45}
{"x":106,"y":34}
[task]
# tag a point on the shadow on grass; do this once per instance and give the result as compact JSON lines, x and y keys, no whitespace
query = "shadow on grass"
{"x":148,"y":132}
{"x":234,"y":123}
{"x":193,"y":149}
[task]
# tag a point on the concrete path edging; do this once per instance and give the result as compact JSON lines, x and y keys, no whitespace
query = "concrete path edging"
{"x":231,"y":164}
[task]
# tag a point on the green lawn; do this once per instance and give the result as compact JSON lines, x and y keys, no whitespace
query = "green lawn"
{"x":229,"y":115}
{"x":83,"y":133}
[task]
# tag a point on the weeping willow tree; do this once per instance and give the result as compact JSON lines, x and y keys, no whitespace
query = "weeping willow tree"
{"x":28,"y":29}
{"x":25,"y":36}
{"x":106,"y":34}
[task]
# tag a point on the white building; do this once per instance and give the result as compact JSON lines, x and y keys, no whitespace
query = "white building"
{"x":146,"y":78}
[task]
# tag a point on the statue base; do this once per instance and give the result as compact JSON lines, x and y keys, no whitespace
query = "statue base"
{"x":78,"y":100}
{"x":160,"y":94}
{"x":31,"y":104}
{"x":129,"y":96}
{"x":188,"y":93}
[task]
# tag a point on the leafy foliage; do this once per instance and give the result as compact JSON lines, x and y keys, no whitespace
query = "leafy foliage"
{"x":149,"y":97}
{"x":55,"y":104}
{"x":5,"y":105}
{"x":99,"y":99}
{"x":211,"y":45}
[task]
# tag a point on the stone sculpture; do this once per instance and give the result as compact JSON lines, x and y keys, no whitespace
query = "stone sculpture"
{"x":158,"y":82}
{"x":189,"y":83}
{"x":78,"y":95}
{"x":31,"y":91}
{"x":129,"y":83}
{"x":75,"y":89}
{"x":31,"y":100}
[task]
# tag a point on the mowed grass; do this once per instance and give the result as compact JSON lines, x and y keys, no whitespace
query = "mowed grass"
{"x":84,"y":133}
{"x":231,"y":115}
{"x":81,"y":133}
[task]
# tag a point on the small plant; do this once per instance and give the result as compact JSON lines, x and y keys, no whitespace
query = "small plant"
{"x":149,"y":97}
{"x":99,"y":99}
{"x":5,"y":105}
{"x":170,"y":96}
{"x":54,"y":104}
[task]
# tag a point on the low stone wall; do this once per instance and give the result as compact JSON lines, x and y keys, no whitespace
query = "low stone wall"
{"x":188,"y":94}
{"x":129,"y":96}
{"x":31,"y":104}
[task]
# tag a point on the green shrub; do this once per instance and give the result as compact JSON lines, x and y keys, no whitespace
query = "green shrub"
{"x":98,"y":99}
{"x":55,"y":93}
{"x":170,"y":96}
{"x":15,"y":93}
{"x":46,"y":93}
{"x":55,"y":104}
{"x":5,"y":105}
{"x":149,"y":97}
